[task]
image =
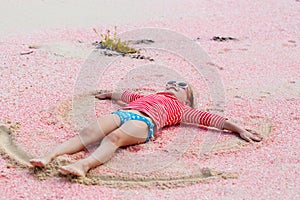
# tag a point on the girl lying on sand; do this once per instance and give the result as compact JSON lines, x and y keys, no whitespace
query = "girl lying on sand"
{"x":137,"y":123}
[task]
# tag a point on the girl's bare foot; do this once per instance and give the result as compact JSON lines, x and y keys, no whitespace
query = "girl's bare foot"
{"x":76,"y":169}
{"x":39,"y":162}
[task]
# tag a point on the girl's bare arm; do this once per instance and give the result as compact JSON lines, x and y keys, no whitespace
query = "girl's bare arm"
{"x":126,"y":96}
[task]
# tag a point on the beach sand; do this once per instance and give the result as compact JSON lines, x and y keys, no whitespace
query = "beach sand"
{"x":47,"y":51}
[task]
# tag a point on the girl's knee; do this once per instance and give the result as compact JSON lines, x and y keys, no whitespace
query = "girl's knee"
{"x":120,"y":139}
{"x":87,"y":132}
{"x":115,"y":138}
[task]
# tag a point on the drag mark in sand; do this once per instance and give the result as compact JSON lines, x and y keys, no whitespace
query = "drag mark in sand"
{"x":10,"y":151}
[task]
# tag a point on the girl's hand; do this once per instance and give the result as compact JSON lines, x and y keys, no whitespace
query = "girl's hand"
{"x":246,"y":134}
{"x":250,"y":135}
{"x":102,"y":96}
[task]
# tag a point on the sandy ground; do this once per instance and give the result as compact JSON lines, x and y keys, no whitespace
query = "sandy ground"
{"x":259,"y":75}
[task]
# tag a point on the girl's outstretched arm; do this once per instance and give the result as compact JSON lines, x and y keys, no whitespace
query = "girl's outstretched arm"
{"x":195,"y":116}
{"x":123,"y":96}
{"x":246,"y":134}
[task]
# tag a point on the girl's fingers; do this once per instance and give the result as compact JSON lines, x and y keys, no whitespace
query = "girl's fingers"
{"x":249,"y":140}
{"x":101,"y":96}
{"x":251,"y":131}
{"x":255,"y":134}
{"x":98,"y":96}
{"x":246,"y":138}
{"x":259,"y":136}
{"x":256,"y":138}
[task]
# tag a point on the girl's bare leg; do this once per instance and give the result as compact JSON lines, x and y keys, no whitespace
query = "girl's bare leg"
{"x":95,"y":132}
{"x":131,"y":132}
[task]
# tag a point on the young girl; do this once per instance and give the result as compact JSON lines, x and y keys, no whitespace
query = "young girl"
{"x":136,"y":123}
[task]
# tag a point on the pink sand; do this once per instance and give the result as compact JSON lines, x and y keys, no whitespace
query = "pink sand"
{"x":262,"y":68}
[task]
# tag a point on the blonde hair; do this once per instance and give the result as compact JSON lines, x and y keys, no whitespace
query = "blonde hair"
{"x":191,"y":96}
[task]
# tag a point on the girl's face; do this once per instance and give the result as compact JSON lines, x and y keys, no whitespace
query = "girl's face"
{"x":178,"y":89}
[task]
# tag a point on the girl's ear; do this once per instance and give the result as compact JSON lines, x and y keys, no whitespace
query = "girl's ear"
{"x":187,"y":102}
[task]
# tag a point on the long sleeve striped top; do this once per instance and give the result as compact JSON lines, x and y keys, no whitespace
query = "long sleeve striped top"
{"x":165,"y":110}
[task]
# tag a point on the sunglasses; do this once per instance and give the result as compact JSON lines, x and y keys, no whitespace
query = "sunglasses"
{"x":182,"y":85}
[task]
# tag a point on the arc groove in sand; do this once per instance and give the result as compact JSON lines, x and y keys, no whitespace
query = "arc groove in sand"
{"x":21,"y":158}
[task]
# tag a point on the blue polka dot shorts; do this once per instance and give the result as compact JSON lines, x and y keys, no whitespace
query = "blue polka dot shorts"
{"x":126,"y":116}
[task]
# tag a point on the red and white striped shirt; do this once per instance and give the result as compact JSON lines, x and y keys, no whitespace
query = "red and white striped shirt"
{"x":165,"y":110}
